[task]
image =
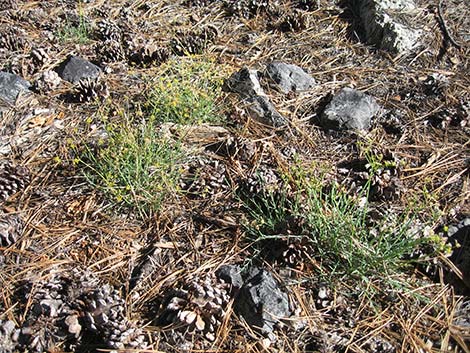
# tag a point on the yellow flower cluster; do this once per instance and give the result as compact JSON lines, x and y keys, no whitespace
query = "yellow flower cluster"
{"x":185,"y":93}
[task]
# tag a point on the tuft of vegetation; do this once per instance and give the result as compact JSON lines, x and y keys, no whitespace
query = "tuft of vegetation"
{"x":186,"y":92}
{"x":135,"y":165}
{"x":346,"y":239}
{"x":75,"y":32}
{"x":375,"y":159}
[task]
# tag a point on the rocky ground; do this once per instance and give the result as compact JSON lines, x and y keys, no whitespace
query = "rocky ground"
{"x":302,"y":186}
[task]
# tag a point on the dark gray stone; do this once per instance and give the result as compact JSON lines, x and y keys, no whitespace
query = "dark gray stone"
{"x":262,"y":110}
{"x":261,"y":302}
{"x":349,"y":109}
{"x":387,"y":23}
{"x":231,"y":274}
{"x":289,"y":78}
{"x":244,"y":82}
{"x":75,"y":69}
{"x":462,"y":315}
{"x":11,"y":86}
{"x":460,"y":234}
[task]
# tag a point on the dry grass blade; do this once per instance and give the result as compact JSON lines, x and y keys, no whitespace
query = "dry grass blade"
{"x":143,"y":196}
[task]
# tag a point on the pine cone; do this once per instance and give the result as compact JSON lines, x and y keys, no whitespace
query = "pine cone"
{"x":294,"y":22}
{"x":54,"y":310}
{"x":296,"y":251}
{"x":12,"y":39}
{"x":264,"y":179}
{"x":105,"y":313}
{"x":386,"y":185}
{"x":464,"y":113}
{"x":187,"y":44}
{"x":204,"y":178}
{"x":435,"y":84}
{"x":64,"y":308}
{"x":39,"y":56}
{"x":456,"y":116}
{"x":465,"y":107}
{"x":108,"y":30}
{"x":209,"y":33}
{"x":11,"y":227}
{"x":380,"y":345}
{"x":12,"y":180}
{"x":462,"y":318}
{"x":110,"y":51}
{"x":48,"y":81}
{"x":8,"y":5}
{"x":275,"y":11}
{"x":198,"y":3}
{"x":91,"y":89}
{"x":103,"y":10}
{"x":8,"y":336}
{"x":246,"y":8}
{"x":385,"y":182}
{"x":50,"y":304}
{"x":150,"y":54}
{"x":193,"y":42}
{"x":235,"y":147}
{"x":198,"y":306}
{"x":51,"y":289}
{"x":308,"y":5}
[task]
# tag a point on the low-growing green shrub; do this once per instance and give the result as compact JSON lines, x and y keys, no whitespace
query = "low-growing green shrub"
{"x":186,"y":92}
{"x":75,"y":32}
{"x":341,"y":233}
{"x":135,"y":165}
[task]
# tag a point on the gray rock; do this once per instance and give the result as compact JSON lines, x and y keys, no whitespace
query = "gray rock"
{"x":462,"y":315}
{"x":262,"y":110}
{"x":387,"y":23}
{"x":244,"y":82}
{"x":8,"y":336}
{"x":289,"y":77}
{"x":349,"y":109}
{"x":452,"y":230}
{"x":75,"y":69}
{"x":460,"y":233}
{"x":11,"y":86}
{"x":231,"y":274}
{"x":261,"y":302}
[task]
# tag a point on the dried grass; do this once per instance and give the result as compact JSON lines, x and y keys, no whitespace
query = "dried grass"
{"x":68,"y":224}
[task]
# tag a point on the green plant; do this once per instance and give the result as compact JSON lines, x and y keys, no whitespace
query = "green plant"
{"x":135,"y":166}
{"x":75,"y":32}
{"x":186,"y":92}
{"x":269,"y":213}
{"x":375,"y":159}
{"x":338,"y":227}
{"x":341,"y":233}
